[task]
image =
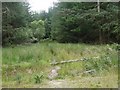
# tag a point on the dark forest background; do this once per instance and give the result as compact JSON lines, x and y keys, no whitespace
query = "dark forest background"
{"x":64,"y":23}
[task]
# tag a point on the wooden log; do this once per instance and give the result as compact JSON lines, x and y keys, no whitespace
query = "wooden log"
{"x":70,"y":61}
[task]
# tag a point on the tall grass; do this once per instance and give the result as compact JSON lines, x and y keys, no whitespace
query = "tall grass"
{"x":21,"y":63}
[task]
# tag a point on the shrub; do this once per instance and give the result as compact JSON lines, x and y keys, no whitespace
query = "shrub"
{"x":38,"y":29}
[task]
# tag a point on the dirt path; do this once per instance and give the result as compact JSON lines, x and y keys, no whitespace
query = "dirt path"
{"x":85,"y":82}
{"x":55,"y":84}
{"x":58,"y":83}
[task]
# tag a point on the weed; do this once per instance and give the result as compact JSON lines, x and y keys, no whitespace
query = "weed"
{"x":18,"y":78}
{"x":38,"y":78}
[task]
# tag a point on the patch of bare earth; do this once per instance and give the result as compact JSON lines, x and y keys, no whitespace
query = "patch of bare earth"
{"x":82,"y":82}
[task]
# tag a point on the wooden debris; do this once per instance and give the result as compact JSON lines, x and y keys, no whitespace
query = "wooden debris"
{"x":89,"y":71}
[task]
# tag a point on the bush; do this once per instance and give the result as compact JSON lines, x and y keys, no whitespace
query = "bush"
{"x":38,"y":29}
{"x":22,"y":35}
{"x":32,"y":33}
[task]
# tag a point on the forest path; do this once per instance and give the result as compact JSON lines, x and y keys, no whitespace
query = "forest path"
{"x":58,"y":83}
{"x":64,"y":83}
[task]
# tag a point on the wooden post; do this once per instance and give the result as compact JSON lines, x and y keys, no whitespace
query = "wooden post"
{"x":100,"y":32}
{"x":98,"y":6}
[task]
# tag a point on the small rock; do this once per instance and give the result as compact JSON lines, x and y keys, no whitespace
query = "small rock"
{"x":54,"y":73}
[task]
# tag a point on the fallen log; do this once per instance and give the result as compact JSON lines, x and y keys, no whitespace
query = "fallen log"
{"x":70,"y":61}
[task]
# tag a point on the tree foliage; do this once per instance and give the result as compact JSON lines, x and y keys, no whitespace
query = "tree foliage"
{"x":15,"y":15}
{"x":65,"y":22}
{"x":80,"y":22}
{"x":38,"y":29}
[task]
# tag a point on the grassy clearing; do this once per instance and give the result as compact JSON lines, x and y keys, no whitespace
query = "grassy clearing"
{"x":26,"y":66}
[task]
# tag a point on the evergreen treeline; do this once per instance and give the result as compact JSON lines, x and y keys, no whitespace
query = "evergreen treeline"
{"x":65,"y":22}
